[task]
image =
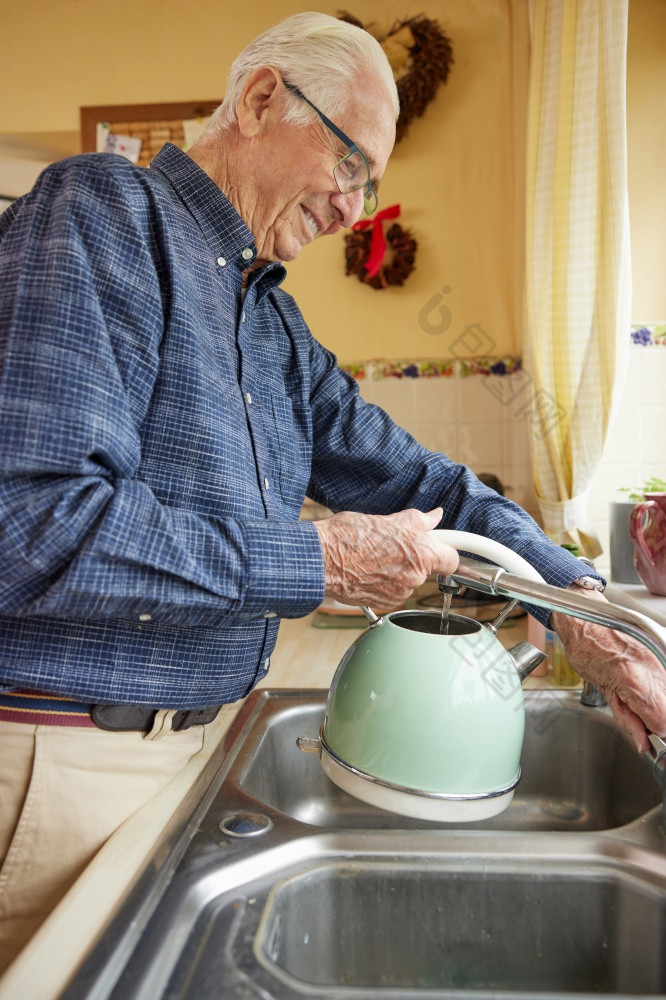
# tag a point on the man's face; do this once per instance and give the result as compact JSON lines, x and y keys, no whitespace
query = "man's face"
{"x":297,"y":198}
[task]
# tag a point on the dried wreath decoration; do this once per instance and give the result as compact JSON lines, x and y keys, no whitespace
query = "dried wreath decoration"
{"x":420,"y":55}
{"x":366,"y":251}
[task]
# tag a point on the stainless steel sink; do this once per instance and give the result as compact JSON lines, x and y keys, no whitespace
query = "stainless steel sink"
{"x":579,"y":772}
{"x":533,"y":927}
{"x":273,"y":883}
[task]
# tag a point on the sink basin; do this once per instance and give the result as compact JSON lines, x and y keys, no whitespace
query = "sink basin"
{"x":578,"y":772}
{"x":276,"y":884}
{"x":572,"y":929}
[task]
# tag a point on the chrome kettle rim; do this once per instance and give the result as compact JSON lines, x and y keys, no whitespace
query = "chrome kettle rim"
{"x":407,"y":790}
{"x":393,"y":617}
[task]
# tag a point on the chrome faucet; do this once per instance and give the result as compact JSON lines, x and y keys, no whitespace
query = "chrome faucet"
{"x":494,"y":580}
{"x":447,"y":585}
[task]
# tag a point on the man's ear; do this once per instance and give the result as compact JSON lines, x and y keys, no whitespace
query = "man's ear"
{"x":260,"y":100}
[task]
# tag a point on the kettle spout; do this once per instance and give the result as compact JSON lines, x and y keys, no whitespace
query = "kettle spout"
{"x":525,"y":658}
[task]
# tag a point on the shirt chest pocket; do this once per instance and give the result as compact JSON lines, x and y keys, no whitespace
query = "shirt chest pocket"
{"x":293,"y":450}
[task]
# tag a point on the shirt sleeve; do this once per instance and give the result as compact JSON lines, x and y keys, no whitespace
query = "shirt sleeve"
{"x":365,"y":462}
{"x":81,"y":318}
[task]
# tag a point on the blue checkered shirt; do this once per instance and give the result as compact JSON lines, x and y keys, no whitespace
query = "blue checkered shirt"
{"x":158,"y":434}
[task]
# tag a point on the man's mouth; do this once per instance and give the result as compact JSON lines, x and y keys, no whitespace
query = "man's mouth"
{"x":314,"y":228}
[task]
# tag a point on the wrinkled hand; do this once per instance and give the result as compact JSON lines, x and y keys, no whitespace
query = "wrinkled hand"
{"x":379,"y":559}
{"x":631,"y":679}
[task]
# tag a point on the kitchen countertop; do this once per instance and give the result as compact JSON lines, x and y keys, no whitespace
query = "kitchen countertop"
{"x":305,"y":657}
{"x":637,"y":597}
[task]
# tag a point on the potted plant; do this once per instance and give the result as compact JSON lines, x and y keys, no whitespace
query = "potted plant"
{"x":651,"y":485}
{"x":622,"y":569}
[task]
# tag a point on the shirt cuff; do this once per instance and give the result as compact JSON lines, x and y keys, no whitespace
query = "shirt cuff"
{"x":543,"y":614}
{"x":286,"y":569}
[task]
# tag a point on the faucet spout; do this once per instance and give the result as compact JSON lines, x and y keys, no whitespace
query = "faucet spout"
{"x":492,"y":579}
{"x":447,"y":584}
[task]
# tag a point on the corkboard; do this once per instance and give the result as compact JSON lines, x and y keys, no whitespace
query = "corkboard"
{"x":154,"y":124}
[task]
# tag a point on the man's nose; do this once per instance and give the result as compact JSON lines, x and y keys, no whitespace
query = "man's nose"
{"x":349,"y":206}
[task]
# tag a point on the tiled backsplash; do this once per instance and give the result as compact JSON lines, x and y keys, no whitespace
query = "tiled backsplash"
{"x":474,"y":420}
{"x":469,"y":419}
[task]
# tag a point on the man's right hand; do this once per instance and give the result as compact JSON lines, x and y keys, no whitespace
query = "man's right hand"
{"x":380,"y":559}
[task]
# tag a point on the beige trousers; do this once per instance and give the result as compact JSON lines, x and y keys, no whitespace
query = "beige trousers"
{"x":63,"y":792}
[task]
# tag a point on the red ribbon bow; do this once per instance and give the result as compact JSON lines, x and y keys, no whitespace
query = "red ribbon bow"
{"x":378,"y":241}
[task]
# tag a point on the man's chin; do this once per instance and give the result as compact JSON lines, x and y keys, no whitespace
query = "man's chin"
{"x":289,"y":253}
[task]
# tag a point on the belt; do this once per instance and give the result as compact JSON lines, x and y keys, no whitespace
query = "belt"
{"x":39,"y":709}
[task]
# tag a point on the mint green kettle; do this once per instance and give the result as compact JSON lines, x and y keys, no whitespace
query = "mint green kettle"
{"x":428,"y":724}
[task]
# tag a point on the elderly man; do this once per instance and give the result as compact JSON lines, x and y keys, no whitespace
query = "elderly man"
{"x":164,"y":410}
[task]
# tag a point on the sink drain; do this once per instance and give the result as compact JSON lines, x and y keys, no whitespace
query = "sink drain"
{"x":245,"y":824}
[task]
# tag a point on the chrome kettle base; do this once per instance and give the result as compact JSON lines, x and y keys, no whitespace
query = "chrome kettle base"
{"x":436,"y":806}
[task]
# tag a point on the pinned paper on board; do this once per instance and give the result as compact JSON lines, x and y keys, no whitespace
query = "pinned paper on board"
{"x":124,"y":145}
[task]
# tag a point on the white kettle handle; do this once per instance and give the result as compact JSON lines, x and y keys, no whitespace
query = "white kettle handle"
{"x":488,"y":548}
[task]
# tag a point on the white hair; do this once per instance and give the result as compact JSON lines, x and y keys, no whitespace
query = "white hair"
{"x":319,"y":54}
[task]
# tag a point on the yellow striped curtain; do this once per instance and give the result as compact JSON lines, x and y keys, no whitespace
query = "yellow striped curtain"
{"x":578,"y":278}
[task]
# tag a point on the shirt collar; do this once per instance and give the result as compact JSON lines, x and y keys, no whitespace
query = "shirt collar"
{"x":222,"y":227}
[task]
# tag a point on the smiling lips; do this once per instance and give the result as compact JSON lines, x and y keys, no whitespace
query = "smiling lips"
{"x":314,"y":228}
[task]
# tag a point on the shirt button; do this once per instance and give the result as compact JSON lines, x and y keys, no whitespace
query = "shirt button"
{"x":249,"y":398}
{"x":145,"y":617}
{"x":266,"y":484}
{"x":242,"y":317}
{"x":221,"y":261}
{"x":270,"y":614}
{"x":247,"y":254}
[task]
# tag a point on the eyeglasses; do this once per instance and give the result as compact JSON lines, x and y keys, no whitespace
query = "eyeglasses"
{"x":352,"y":172}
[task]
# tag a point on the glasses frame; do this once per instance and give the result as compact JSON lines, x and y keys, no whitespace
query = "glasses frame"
{"x":370,"y":199}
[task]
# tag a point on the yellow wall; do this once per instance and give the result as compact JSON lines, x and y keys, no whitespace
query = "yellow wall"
{"x":646,"y":142}
{"x":458,"y":174}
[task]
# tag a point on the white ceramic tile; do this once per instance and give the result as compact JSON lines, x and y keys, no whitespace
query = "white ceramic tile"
{"x":600,"y":528}
{"x":478,"y":400}
{"x":439,"y":437}
{"x":518,"y":484}
{"x":515,"y":440}
{"x":615,"y":475}
{"x":396,"y":396}
{"x":652,"y":469}
{"x":367,"y":388}
{"x":481,"y":446}
{"x":597,"y":507}
{"x":653,"y":449}
{"x":630,"y":386}
{"x":610,"y":477}
{"x":652,"y":376}
{"x":511,"y":392}
{"x":436,"y":399}
{"x":456,"y":455}
{"x":517,"y":477}
{"x":624,"y":439}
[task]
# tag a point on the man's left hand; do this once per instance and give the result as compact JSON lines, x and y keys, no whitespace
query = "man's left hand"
{"x":631,"y":679}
